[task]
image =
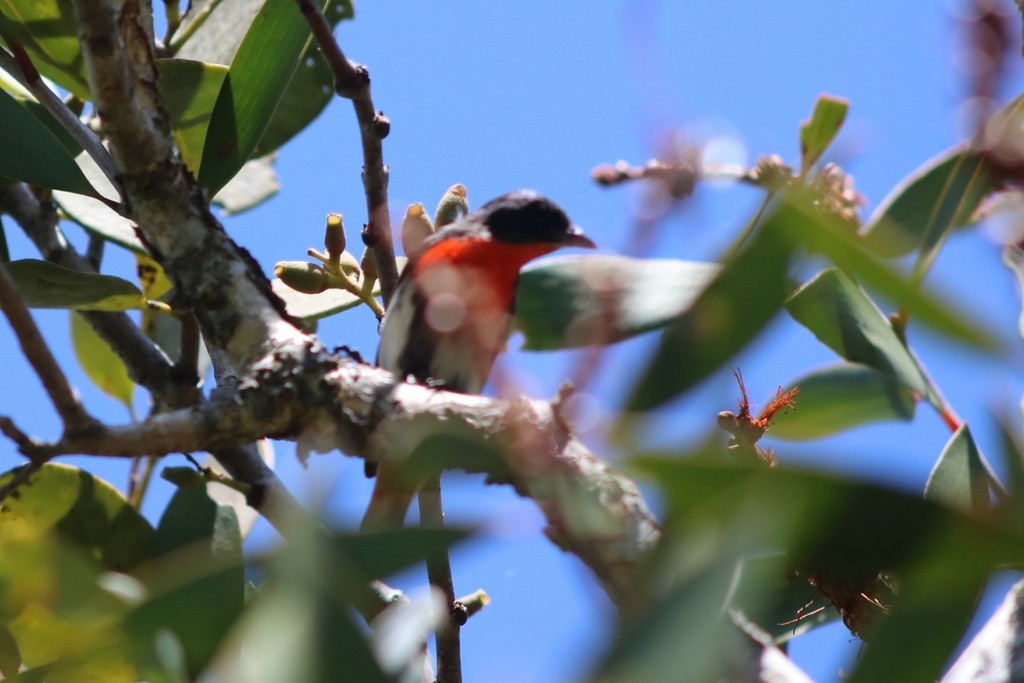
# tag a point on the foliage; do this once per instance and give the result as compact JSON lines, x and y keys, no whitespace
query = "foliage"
{"x":90,"y":591}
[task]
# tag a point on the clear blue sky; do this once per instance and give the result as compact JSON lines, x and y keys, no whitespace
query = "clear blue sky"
{"x":535,"y":94}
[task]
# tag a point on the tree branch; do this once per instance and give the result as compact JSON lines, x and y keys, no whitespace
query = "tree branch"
{"x":64,"y":398}
{"x":147,"y":364}
{"x":325,"y":402}
{"x":222,"y":284}
{"x":352,"y":81}
{"x":20,"y":66}
{"x":439,"y":573}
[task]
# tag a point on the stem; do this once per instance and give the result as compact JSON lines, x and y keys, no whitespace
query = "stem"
{"x":64,"y":398}
{"x":352,"y":81}
{"x":439,"y":572}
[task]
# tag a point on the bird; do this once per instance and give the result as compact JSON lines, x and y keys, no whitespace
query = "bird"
{"x":451,"y":311}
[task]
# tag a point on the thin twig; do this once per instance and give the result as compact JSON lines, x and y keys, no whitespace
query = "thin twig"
{"x":64,"y":398}
{"x":439,"y":573}
{"x":20,"y":66}
{"x":352,"y":81}
{"x":147,"y":364}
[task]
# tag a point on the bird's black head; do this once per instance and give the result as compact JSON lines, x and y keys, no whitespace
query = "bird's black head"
{"x":525,"y":216}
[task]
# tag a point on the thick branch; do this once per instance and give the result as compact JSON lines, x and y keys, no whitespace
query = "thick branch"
{"x":352,"y":81}
{"x":325,"y":402}
{"x":222,"y":284}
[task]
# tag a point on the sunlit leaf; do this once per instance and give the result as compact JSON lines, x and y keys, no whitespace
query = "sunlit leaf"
{"x":257,"y":79}
{"x":959,"y":478}
{"x":99,"y":362}
{"x":33,"y":154}
{"x":49,"y":33}
{"x":735,"y":306}
{"x":842,"y":317}
{"x":578,"y":300}
{"x":817,"y":132}
{"x":839,"y":397}
{"x":47,"y":285}
{"x":190,"y":90}
{"x":82,"y":508}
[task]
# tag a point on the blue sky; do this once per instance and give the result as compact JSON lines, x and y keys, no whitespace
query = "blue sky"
{"x":534,"y":94}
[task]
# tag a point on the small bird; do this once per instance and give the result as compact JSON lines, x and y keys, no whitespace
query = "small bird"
{"x":451,"y":312}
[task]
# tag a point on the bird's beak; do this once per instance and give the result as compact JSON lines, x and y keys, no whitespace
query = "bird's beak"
{"x":575,"y":238}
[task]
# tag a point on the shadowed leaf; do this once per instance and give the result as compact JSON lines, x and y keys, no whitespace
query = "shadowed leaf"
{"x":47,"y":285}
{"x":959,"y":478}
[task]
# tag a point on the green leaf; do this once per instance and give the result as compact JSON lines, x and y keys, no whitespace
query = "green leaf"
{"x":10,"y":656}
{"x":833,"y":238}
{"x":844,"y":318}
{"x":385,"y":552}
{"x":578,"y":300}
{"x":310,"y":307}
{"x":47,"y":285}
{"x":257,"y":79}
{"x":99,"y":362}
{"x":30,"y":152}
{"x":48,"y":31}
{"x":99,"y":219}
{"x":817,"y":133}
{"x":735,"y":306}
{"x":81,"y":508}
{"x":839,"y":397}
{"x":839,"y":533}
{"x":198,"y":582}
{"x":941,"y":195}
{"x":190,"y":90}
{"x":960,"y":478}
{"x":254,"y":184}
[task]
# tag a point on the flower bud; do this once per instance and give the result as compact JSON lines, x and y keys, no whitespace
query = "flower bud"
{"x":416,"y":227}
{"x":334,"y":236}
{"x":453,"y":206}
{"x":301,"y":276}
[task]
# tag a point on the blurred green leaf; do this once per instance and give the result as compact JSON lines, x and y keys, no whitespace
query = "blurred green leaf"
{"x":960,"y":478}
{"x":198,"y":580}
{"x":842,"y":317}
{"x":734,"y":307}
{"x":33,"y":154}
{"x":10,"y":656}
{"x":99,"y":362}
{"x":839,"y":397}
{"x":385,"y":552}
{"x":190,"y":90}
{"x":257,"y":79}
{"x":939,"y":196}
{"x":1013,"y":258}
{"x":49,"y":33}
{"x":578,"y":300}
{"x":817,"y":132}
{"x":834,"y":238}
{"x":46,"y":285}
{"x":320,"y":641}
{"x":839,"y":530}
